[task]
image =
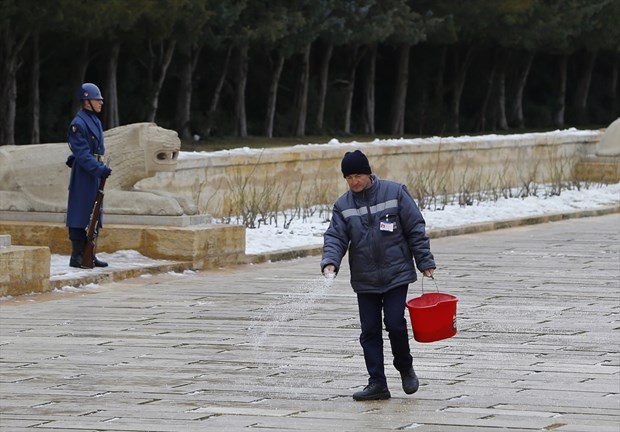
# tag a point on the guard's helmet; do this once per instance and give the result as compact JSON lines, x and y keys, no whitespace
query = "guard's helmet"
{"x":90,"y":91}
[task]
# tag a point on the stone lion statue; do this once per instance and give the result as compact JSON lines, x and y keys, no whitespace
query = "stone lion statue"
{"x":34,"y":178}
{"x":609,"y":145}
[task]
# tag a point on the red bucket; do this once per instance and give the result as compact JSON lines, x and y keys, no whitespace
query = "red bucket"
{"x":433,"y":316}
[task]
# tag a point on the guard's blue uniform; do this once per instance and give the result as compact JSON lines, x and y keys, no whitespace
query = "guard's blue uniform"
{"x":86,"y":142}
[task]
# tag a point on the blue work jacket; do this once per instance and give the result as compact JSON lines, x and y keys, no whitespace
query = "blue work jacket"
{"x":384,"y":231}
{"x":85,"y":138}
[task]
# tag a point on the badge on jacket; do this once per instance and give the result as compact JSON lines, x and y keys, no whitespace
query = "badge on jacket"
{"x":386,"y":226}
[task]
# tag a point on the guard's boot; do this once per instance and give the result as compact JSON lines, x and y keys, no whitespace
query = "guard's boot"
{"x":99,"y":263}
{"x":372,"y":391}
{"x":410,"y":381}
{"x":77,"y":253}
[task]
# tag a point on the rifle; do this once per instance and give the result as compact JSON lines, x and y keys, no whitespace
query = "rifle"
{"x":88,"y":259}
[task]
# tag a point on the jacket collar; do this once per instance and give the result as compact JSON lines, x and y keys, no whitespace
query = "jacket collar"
{"x":92,"y":122}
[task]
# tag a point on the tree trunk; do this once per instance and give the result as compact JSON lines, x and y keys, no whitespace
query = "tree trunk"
{"x":10,"y":49}
{"x":241,"y":126}
{"x":110,"y":112}
{"x":8,"y":101}
{"x":162,"y":70}
{"x":348,"y":98}
{"x":583,"y":88}
{"x":82,"y":62}
{"x":369,"y":92}
{"x":273,"y":94}
{"x":323,"y":77}
{"x":437,"y":108}
{"x":400,"y":92}
{"x":516,"y":115}
{"x":561,"y":96}
{"x":356,"y":56}
{"x":460,"y":73}
{"x":184,"y":97}
{"x":613,"y":85}
{"x":482,"y":119}
{"x":501,"y":94}
{"x":217,"y":92}
{"x":302,"y":91}
{"x":35,"y":99}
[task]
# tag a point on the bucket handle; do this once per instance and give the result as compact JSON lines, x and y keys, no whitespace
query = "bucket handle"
{"x":433,"y":278}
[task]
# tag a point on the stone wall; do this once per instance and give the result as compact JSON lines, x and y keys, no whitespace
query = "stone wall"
{"x":310,"y":174}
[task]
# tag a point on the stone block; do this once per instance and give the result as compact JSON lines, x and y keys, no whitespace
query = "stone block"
{"x":204,"y":245}
{"x":598,"y":169}
{"x":121,"y":237}
{"x":52,"y":235}
{"x":24,"y":269}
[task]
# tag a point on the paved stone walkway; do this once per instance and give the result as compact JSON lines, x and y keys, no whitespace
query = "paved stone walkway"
{"x":270,"y":347}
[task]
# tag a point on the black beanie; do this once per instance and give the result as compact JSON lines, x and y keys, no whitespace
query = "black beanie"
{"x":355,"y":163}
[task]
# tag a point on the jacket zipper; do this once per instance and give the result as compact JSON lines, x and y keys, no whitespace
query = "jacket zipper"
{"x":374,"y":247}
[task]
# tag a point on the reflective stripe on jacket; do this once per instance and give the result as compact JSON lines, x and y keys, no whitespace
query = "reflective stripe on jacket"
{"x":383,"y":230}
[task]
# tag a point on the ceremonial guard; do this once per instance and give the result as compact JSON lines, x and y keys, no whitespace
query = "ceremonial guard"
{"x":87,"y":170}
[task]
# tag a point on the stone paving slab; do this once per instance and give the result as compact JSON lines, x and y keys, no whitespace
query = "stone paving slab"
{"x":270,"y":347}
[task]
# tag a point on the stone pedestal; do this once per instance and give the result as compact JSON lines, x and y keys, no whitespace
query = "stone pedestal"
{"x":604,"y":165}
{"x":598,"y":169}
{"x":205,"y":246}
{"x":23,"y":269}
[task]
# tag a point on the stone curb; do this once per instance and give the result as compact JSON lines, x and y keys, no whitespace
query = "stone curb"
{"x":528,"y":220}
{"x":292,"y":253}
{"x":117,"y":275}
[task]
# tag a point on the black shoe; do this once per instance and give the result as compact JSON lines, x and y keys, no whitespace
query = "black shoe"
{"x":372,"y":391}
{"x":99,"y":263}
{"x":410,"y":381}
{"x":74,"y":262}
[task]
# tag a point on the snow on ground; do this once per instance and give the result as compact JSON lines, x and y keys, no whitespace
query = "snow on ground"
{"x":123,"y":259}
{"x":309,"y":232}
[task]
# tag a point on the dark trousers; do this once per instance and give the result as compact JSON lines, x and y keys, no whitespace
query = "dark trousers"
{"x":392,"y":303}
{"x":78,"y":234}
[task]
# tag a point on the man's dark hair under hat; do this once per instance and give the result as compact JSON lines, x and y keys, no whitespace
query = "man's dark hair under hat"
{"x":355,"y":162}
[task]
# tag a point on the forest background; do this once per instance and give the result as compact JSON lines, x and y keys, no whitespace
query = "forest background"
{"x":297,"y":68}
